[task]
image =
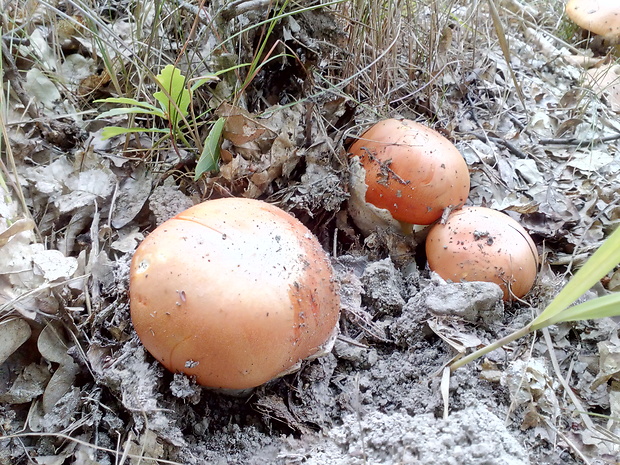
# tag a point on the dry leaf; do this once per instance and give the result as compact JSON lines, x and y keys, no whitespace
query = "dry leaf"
{"x":605,"y":81}
{"x":609,"y":361}
{"x":29,"y":385}
{"x":53,"y":347}
{"x":15,"y":228}
{"x":13,"y":333}
{"x":454,"y":334}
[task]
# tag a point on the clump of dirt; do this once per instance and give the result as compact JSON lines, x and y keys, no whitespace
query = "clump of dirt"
{"x":473,"y":435}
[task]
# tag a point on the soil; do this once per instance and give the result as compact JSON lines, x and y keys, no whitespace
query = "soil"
{"x":77,"y":386}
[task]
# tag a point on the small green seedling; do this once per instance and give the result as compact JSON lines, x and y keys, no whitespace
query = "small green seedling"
{"x":210,"y":155}
{"x":174,"y":97}
{"x":559,"y":310}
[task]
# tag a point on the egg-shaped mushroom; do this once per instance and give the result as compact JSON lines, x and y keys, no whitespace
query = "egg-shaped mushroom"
{"x":234,"y":292}
{"x":407,"y":172}
{"x":481,"y":244}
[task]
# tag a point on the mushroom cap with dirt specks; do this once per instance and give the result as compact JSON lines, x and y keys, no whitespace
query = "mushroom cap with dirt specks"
{"x":597,"y":16}
{"x":481,"y":244}
{"x":411,"y":170}
{"x":234,"y":292}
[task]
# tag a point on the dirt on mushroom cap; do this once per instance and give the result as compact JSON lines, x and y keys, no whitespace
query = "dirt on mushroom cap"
{"x":411,"y":170}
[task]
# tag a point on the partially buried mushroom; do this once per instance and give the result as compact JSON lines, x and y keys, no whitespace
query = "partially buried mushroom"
{"x":234,"y":292}
{"x":481,"y":244}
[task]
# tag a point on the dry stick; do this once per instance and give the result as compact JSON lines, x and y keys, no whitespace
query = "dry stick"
{"x":503,"y":43}
{"x":499,"y":141}
{"x":572,"y":445}
{"x":14,"y":182}
{"x":554,"y":362}
{"x":13,"y":76}
{"x":358,"y":412}
{"x":580,"y":409}
{"x":579,"y":142}
{"x":240,"y":7}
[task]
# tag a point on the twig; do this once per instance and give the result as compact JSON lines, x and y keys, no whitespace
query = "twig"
{"x":579,"y":142}
{"x":13,"y":76}
{"x":240,"y":7}
{"x":567,"y":389}
{"x":499,"y":141}
{"x":200,"y":13}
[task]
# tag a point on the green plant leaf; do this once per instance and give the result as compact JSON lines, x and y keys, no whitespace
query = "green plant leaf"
{"x":598,"y":265}
{"x":126,"y":111}
{"x":173,"y":96}
{"x":210,"y":155}
{"x":112,"y":131}
{"x":601,"y":307}
{"x":126,"y":101}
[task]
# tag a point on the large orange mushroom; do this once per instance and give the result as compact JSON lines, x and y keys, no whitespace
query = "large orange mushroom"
{"x":234,"y":292}
{"x":407,"y":172}
{"x":597,"y":16}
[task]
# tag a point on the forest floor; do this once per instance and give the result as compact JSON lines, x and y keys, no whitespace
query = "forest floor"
{"x":296,"y":81}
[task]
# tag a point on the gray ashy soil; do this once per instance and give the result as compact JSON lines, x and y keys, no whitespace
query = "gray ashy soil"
{"x":376,"y":398}
{"x":79,"y":388}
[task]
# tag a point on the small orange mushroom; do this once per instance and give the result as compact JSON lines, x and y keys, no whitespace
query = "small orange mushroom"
{"x":233,"y":291}
{"x":408,"y":170}
{"x":481,"y":244}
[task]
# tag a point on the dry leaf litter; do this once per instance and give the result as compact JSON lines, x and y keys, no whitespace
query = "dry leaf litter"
{"x":76,"y":386}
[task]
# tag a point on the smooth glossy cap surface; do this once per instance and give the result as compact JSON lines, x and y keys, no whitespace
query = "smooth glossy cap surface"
{"x":233,"y":291}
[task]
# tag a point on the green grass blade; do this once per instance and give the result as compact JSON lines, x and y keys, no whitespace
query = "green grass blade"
{"x":127,"y":101}
{"x":210,"y":156}
{"x":130,"y":110}
{"x":598,"y":265}
{"x":112,"y":131}
{"x":601,"y":307}
{"x":259,"y":53}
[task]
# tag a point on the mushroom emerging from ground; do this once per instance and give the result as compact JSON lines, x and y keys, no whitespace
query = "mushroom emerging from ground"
{"x":597,"y":16}
{"x":404,"y":172}
{"x":480,"y":244}
{"x":233,"y":291}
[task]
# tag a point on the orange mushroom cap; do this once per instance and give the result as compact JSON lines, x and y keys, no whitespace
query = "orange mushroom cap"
{"x":232,"y":291}
{"x":411,"y":170}
{"x":481,"y":244}
{"x":597,"y":16}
